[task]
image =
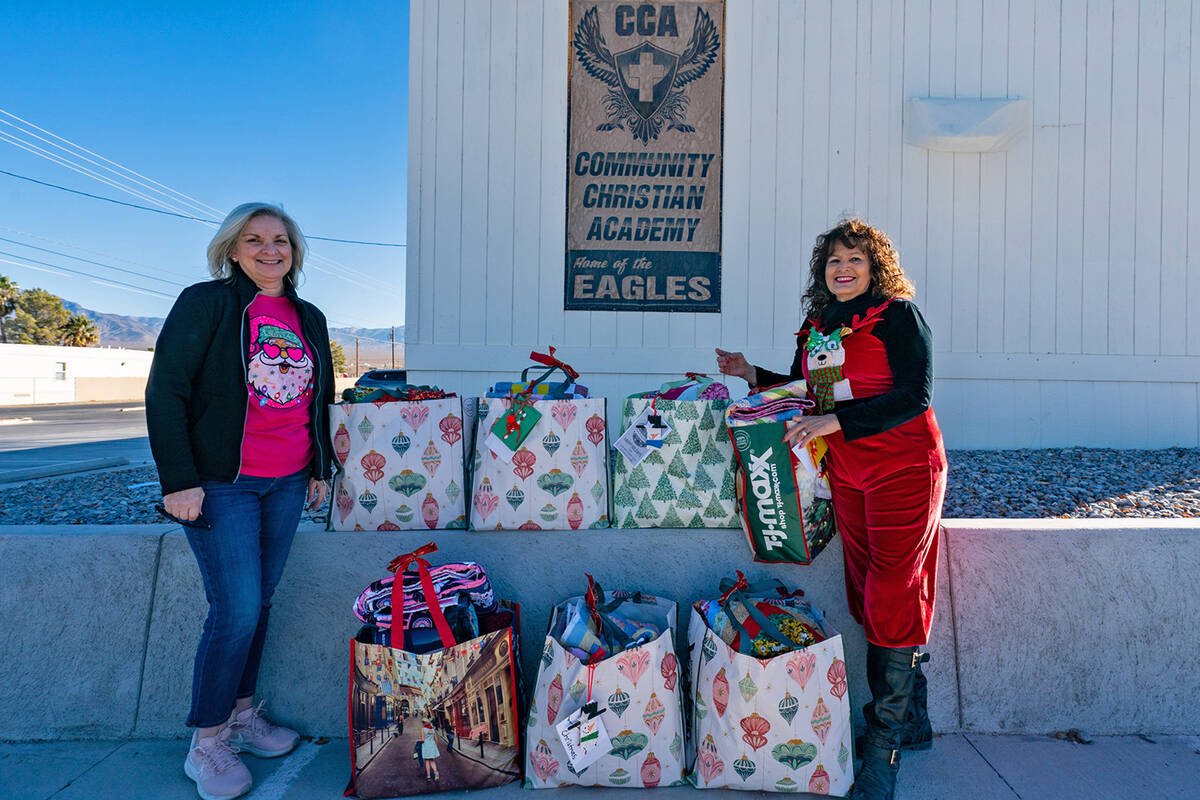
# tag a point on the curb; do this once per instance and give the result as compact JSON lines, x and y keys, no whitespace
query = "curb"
{"x":68,"y":468}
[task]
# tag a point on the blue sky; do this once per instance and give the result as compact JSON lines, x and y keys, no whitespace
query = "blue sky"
{"x":300,"y":103}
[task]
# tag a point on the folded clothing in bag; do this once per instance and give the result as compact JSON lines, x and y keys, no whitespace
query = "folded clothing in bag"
{"x":402,"y":391}
{"x":696,"y":386}
{"x":800,"y":623}
{"x":455,"y":583}
{"x":782,"y":402}
{"x":627,"y":619}
{"x":558,"y":391}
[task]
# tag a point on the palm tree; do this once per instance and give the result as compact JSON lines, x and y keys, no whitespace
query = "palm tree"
{"x":9,"y":294}
{"x":79,"y":332}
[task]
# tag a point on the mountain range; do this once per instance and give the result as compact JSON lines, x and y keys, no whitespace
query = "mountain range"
{"x":140,"y":333}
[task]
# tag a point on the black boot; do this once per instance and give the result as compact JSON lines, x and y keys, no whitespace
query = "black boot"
{"x":918,"y":733}
{"x":891,"y":674}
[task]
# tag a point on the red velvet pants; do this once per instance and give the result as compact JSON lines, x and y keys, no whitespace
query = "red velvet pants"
{"x":887,"y":498}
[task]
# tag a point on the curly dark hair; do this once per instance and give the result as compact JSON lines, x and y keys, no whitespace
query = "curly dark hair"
{"x":887,"y":278}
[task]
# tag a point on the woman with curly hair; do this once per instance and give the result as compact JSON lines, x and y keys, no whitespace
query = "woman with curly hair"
{"x":866,"y":355}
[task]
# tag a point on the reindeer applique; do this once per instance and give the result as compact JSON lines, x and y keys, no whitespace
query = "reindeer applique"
{"x":826,"y":356}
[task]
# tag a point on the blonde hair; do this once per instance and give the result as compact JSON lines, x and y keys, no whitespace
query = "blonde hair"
{"x":222,"y":267}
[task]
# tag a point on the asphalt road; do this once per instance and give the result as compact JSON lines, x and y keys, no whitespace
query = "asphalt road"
{"x":62,"y":434}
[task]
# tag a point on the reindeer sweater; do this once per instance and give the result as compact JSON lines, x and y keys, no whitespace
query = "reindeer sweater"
{"x":884,"y":375}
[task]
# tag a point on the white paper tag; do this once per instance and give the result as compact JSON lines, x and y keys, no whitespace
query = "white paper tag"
{"x":584,"y":738}
{"x":498,"y":447}
{"x":632,"y":443}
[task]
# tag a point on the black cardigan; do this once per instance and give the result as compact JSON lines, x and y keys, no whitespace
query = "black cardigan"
{"x":909,"y":347}
{"x":196,"y":395}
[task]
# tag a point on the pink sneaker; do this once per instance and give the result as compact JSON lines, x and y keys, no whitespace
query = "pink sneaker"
{"x":214,"y":766}
{"x":252,"y":732}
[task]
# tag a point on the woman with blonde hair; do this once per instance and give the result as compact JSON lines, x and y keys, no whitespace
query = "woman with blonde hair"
{"x":236,"y":411}
{"x":866,"y":355}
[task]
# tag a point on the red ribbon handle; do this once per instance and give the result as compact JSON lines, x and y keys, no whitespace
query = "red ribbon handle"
{"x":548,"y":359}
{"x":399,"y":566}
{"x":739,"y":585}
{"x":694,"y":375}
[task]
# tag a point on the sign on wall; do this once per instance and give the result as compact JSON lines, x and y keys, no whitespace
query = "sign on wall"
{"x":644,"y":139}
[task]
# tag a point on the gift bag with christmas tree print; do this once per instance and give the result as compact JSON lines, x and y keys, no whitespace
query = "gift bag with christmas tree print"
{"x":685,"y":478}
{"x":400,"y":464}
{"x":636,"y":694}
{"x":779,"y":723}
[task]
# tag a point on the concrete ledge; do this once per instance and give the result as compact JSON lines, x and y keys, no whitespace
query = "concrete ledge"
{"x":74,"y":604}
{"x":1041,"y":624}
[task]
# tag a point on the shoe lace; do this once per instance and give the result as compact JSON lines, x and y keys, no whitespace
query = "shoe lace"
{"x":257,"y":724}
{"x":220,"y":755}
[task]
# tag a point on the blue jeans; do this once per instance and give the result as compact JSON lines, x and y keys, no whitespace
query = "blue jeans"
{"x":241,"y":560}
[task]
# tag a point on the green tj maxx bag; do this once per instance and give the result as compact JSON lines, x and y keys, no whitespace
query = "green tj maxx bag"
{"x":783,"y":496}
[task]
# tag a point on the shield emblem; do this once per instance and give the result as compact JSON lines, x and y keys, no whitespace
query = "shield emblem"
{"x":646,"y":73}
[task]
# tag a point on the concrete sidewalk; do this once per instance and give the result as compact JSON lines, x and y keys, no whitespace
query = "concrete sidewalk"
{"x":974,"y":766}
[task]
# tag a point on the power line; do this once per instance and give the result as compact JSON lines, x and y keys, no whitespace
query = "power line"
{"x":164,"y":212}
{"x":55,"y":268}
{"x":102,"y":254}
{"x":89,"y":261}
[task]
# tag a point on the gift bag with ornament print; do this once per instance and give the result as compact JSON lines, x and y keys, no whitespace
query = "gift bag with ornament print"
{"x":778,"y":722}
{"x":401,"y":464}
{"x":687,"y":478}
{"x":637,"y":692}
{"x":540,"y":463}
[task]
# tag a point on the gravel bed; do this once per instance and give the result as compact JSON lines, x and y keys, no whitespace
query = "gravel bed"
{"x":1072,"y":482}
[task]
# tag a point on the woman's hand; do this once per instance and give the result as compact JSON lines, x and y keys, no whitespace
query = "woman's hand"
{"x":318,"y":490}
{"x":185,"y":504}
{"x":735,"y":364}
{"x":805,"y":429}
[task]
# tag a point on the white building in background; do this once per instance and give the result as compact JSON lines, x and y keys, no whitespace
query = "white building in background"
{"x":1054,"y":270}
{"x":33,"y":373}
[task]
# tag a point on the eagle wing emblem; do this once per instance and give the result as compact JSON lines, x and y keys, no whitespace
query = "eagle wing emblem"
{"x":592,"y":52}
{"x":669,"y":110}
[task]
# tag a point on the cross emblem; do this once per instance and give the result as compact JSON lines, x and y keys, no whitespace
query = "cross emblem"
{"x":647,"y":75}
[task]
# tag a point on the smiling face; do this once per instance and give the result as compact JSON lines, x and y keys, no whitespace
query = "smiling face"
{"x":847,"y":271}
{"x":264,"y":252}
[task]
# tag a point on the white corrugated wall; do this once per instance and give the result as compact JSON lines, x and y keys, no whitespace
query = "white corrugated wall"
{"x":1057,"y":276}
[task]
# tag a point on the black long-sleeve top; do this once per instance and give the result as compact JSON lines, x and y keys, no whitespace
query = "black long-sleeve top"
{"x":909,"y":347}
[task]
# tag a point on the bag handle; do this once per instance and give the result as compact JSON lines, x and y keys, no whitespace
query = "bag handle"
{"x":691,"y":377}
{"x":550,"y":360}
{"x":399,"y":566}
{"x":736,"y":591}
{"x":597,"y":611}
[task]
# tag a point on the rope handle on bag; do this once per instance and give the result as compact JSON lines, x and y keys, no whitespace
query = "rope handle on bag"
{"x":597,"y":609}
{"x":736,"y":591}
{"x":399,"y":566}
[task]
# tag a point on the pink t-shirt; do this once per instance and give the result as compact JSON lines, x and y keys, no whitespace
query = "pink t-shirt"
{"x":277,"y":438}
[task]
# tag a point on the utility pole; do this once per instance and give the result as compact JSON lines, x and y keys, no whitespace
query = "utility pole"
{"x":393,"y":347}
{"x":356,"y":370}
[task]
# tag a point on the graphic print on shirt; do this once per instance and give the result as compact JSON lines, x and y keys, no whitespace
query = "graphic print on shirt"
{"x":826,"y":359}
{"x":280,"y":371}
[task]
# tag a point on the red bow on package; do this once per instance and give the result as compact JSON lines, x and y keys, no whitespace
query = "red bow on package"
{"x":549,"y":360}
{"x":399,"y":566}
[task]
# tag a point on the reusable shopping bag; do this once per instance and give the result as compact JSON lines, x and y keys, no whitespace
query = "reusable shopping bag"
{"x":779,"y":723}
{"x":687,"y":480}
{"x":540,"y":463}
{"x":637,"y":691}
{"x":783,"y":492}
{"x":401,"y":464}
{"x":454,"y":708}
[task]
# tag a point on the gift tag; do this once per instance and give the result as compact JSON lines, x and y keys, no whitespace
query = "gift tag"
{"x":655,"y":430}
{"x":584,"y":737}
{"x":512,"y":428}
{"x":634,"y":443}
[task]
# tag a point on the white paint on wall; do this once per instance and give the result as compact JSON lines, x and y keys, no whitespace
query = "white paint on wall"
{"x":1056,"y":276}
{"x":31,"y":373}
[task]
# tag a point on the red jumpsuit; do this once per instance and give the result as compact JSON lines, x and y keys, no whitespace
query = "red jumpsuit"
{"x":887,"y":466}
